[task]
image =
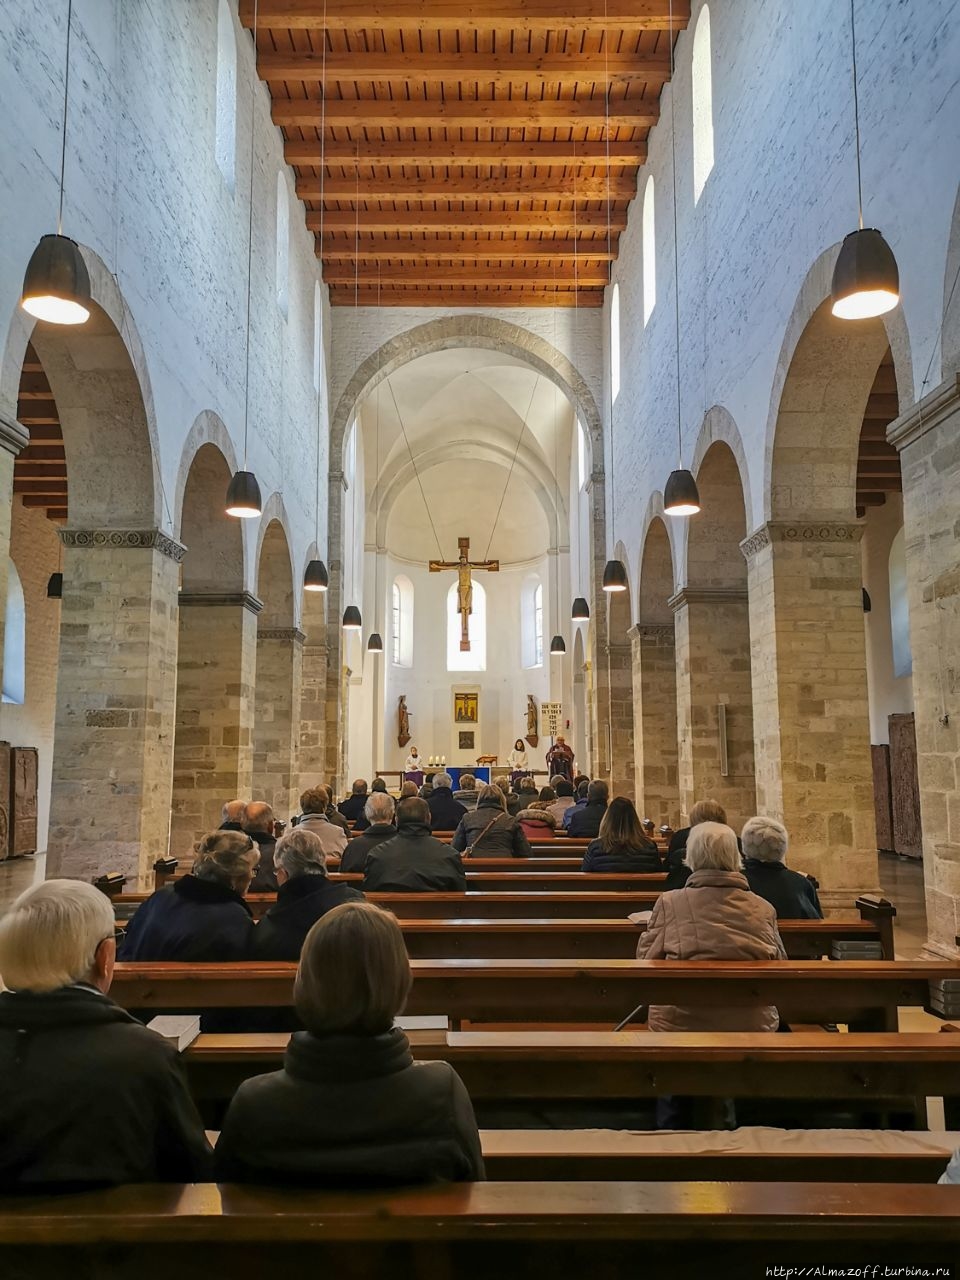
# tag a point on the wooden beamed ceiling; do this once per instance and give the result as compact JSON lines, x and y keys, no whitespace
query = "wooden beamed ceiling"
{"x":471,"y":157}
{"x":40,"y":470}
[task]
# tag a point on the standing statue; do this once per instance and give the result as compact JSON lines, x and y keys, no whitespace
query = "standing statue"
{"x":533,"y":719}
{"x":403,"y":721}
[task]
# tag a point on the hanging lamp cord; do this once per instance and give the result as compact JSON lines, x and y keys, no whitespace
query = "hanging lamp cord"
{"x":66,"y":98}
{"x":323,"y":170}
{"x":253,"y":111}
{"x":856,"y":110}
{"x":676,"y":241}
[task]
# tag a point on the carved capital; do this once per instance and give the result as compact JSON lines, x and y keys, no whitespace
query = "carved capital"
{"x":706,"y":595}
{"x":124,"y":540}
{"x":14,"y":436}
{"x":645,"y":634}
{"x":293,"y":635}
{"x":220,"y":600}
{"x":801,"y":533}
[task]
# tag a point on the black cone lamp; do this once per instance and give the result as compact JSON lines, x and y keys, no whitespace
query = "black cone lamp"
{"x":614,"y":576}
{"x":315,"y":577}
{"x":243,"y":496}
{"x":866,"y":281}
{"x":375,"y":643}
{"x":681,"y":497}
{"x":557,"y":647}
{"x":581,"y":610}
{"x":56,"y":286}
{"x":351,"y":618}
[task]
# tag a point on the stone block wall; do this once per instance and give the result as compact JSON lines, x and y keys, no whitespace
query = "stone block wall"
{"x":655,"y":718}
{"x":276,"y":746}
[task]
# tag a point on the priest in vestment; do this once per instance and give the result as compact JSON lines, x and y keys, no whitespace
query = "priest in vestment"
{"x":560,"y":759}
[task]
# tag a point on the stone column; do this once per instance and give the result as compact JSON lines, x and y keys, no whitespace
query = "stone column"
{"x":276,"y":756}
{"x":116,"y":682}
{"x":623,"y":777}
{"x":714,"y":700}
{"x":336,"y":696}
{"x":13,"y":438}
{"x":313,"y":714}
{"x":811,"y":712}
{"x":928,"y":438}
{"x":213,"y":757}
{"x":655,"y":720}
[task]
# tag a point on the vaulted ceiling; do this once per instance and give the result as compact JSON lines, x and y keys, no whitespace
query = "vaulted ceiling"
{"x":470,"y":154}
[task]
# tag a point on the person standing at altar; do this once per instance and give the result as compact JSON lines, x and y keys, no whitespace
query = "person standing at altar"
{"x":413,"y":762}
{"x":517,"y":761}
{"x":560,"y":759}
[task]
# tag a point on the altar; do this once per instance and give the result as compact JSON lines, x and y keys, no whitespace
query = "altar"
{"x":480,"y":772}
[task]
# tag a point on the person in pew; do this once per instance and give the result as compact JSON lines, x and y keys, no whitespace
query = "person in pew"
{"x":305,"y":894}
{"x":792,"y":895}
{"x":258,"y":824}
{"x":678,"y":872}
{"x":351,"y":1108}
{"x":425,"y":791}
{"x":621,"y":845}
{"x":547,"y":795}
{"x":91,"y":1097}
{"x":586,"y":821}
{"x":515,"y":800}
{"x":579,"y":802}
{"x":409,"y":791}
{"x":352,"y":807}
{"x":232,"y":815}
{"x":565,"y":798}
{"x":467,"y":795}
{"x":363,"y":821}
{"x":379,"y":811}
{"x":414,"y":861}
{"x":203,"y":916}
{"x":315,"y":804}
{"x":714,"y":917}
{"x":489,"y":830}
{"x":445,"y":812}
{"x":537,"y":824}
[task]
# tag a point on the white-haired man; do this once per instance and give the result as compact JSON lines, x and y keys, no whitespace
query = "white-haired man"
{"x":91,"y":1097}
{"x":305,"y":894}
{"x":792,"y":895}
{"x":446,"y":813}
{"x":379,"y":812}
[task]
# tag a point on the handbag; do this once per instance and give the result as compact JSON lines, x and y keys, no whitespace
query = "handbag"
{"x":468,"y":851}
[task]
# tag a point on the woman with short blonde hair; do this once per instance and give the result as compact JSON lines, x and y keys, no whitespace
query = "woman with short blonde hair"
{"x":351,"y":1107}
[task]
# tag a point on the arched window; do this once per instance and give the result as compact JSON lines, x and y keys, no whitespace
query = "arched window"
{"x":615,"y":344}
{"x":702,"y":104}
{"x":581,"y":456}
{"x":317,"y":337}
{"x":538,"y":625}
{"x":226,"y":122}
{"x":283,"y":242}
{"x":899,"y":608}
{"x":14,"y":640}
{"x":402,"y":622}
{"x":476,"y":659}
{"x":531,"y":623}
{"x":649,"y":251}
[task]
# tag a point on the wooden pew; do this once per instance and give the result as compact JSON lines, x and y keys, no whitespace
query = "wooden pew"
{"x":685,"y":1229}
{"x":867,"y":995}
{"x":543,"y":1067}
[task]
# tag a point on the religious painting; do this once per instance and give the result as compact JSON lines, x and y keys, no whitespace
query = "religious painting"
{"x":466,"y":741}
{"x":466,"y":708}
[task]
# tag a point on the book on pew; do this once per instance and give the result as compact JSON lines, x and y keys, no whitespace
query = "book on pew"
{"x":423,"y":1022}
{"x":640,"y":917}
{"x":180,"y":1029}
{"x":840,"y":950}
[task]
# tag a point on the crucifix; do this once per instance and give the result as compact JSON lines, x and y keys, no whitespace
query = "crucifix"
{"x":465,"y":585}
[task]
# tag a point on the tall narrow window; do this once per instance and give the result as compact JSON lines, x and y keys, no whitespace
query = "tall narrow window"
{"x":702,"y":104}
{"x":402,"y":619}
{"x":226,"y":123}
{"x":14,"y":640}
{"x":538,"y":626}
{"x":396,"y":624}
{"x":615,"y":343}
{"x":899,"y":608}
{"x":283,"y":242}
{"x":476,"y":659}
{"x":581,"y":456}
{"x":649,"y":251}
{"x":317,"y":337}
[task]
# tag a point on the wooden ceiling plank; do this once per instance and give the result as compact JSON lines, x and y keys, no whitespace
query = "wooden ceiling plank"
{"x":399,"y":188}
{"x":424,"y":296}
{"x":452,"y":250}
{"x":518,"y":113}
{"x":467,"y":221}
{"x":456,"y":151}
{"x":51,"y":488}
{"x":501,"y":69}
{"x":453,"y":15}
{"x":420,"y":273}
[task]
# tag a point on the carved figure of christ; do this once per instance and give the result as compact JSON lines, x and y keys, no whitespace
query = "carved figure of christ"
{"x":464,"y":567}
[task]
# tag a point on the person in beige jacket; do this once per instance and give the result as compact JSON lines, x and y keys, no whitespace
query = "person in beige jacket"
{"x":714,"y":917}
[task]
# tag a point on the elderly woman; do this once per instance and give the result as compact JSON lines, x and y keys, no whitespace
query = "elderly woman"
{"x":351,"y":1107}
{"x":315,"y":807}
{"x":792,"y":895}
{"x":305,"y":894}
{"x":489,"y":830}
{"x":91,"y":1098}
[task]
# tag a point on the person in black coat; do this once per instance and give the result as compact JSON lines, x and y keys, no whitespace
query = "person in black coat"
{"x":351,"y":1108}
{"x":379,"y":812}
{"x":586,"y":821}
{"x":414,"y":861}
{"x":445,"y":812}
{"x":678,"y":873}
{"x":90,"y":1098}
{"x":203,"y":915}
{"x":378,"y":787}
{"x":489,"y":830}
{"x":621,"y":845}
{"x":232,"y":815}
{"x":304,"y":896}
{"x":260,"y":825}
{"x":352,"y":807}
{"x":792,"y":895}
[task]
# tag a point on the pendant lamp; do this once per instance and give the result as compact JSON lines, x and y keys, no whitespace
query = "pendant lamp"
{"x":557,"y":647}
{"x":351,"y":618}
{"x":375,"y":643}
{"x":56,"y":285}
{"x":614,"y":576}
{"x":681,"y":497}
{"x":581,"y":610}
{"x":315,"y":577}
{"x":866,"y":282}
{"x":243,"y":492}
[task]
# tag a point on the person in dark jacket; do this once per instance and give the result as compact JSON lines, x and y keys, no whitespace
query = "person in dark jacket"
{"x":305,"y":894}
{"x":467,"y":795}
{"x":586,"y":821}
{"x":91,"y":1098}
{"x":259,"y":825}
{"x":621,"y":845}
{"x":351,"y":1108}
{"x":232,"y":815}
{"x":414,"y":861}
{"x":203,"y":915}
{"x":379,"y":812}
{"x":678,"y":873}
{"x":445,"y":812}
{"x":580,"y":802}
{"x":352,"y":807}
{"x":489,"y":830}
{"x":792,"y":895}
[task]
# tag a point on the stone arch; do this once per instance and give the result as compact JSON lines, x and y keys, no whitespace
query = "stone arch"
{"x":278,"y":668}
{"x":273,"y":523}
{"x":714,"y":536}
{"x":214,"y":558}
{"x":950,"y":344}
{"x":208,"y":428}
{"x":718,"y":426}
{"x":623,"y":780}
{"x":655,"y":675}
{"x":820,"y":388}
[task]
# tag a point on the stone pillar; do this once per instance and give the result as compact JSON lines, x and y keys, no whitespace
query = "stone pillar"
{"x":216,"y":674}
{"x":276,"y":754}
{"x":313,"y":714}
{"x":811,"y":711}
{"x":116,"y":682}
{"x":623,"y":777}
{"x":336,"y":697}
{"x":714,"y":700}
{"x":13,"y":438}
{"x":655,"y":720}
{"x":928,"y":438}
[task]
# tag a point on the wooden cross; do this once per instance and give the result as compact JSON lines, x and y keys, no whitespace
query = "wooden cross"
{"x":464,"y":585}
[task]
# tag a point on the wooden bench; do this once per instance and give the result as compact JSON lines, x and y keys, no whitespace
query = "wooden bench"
{"x":867,"y":995}
{"x":603,"y":1229}
{"x":542,"y":1067}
